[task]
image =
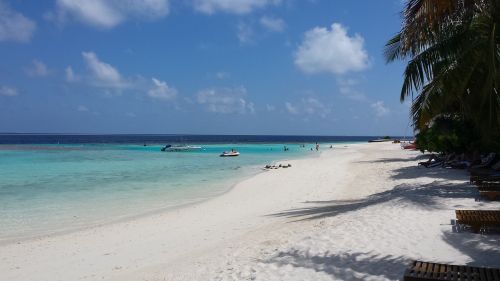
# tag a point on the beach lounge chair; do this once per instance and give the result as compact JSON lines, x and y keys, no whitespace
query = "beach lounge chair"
{"x":489,"y":185}
{"x":486,"y":161}
{"x":431,"y":164}
{"x":490,"y":194}
{"x":489,"y":189}
{"x":433,"y":161}
{"x":428,"y":271}
{"x":483,"y":170}
{"x":478,"y":219}
{"x":457,"y":164}
{"x":478,"y":179}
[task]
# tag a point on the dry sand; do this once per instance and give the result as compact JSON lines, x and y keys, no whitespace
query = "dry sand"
{"x":355,"y":213}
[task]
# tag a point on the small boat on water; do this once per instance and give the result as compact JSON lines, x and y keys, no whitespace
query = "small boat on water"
{"x":180,"y":148}
{"x":380,"y":140}
{"x":231,"y":153}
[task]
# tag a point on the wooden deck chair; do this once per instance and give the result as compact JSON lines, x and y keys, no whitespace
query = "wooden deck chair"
{"x":478,"y":219}
{"x":489,"y":185}
{"x":490,"y":190}
{"x":478,"y":179}
{"x":490,"y":194}
{"x":427,"y":271}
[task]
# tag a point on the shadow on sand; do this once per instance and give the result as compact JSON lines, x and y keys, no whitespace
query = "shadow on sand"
{"x":447,"y":184}
{"x":483,"y":250}
{"x":348,"y":266}
{"x":426,"y":196}
{"x":438,"y":173}
{"x":418,"y":158}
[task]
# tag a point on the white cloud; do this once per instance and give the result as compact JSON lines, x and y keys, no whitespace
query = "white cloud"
{"x":308,"y":106}
{"x":37,"y":69}
{"x":270,"y":107}
{"x":348,"y":88}
{"x":14,"y":26}
{"x":82,"y":108}
{"x":380,"y":108}
{"x":8,"y":91}
{"x":244,"y":32}
{"x":108,"y":13}
{"x":161,"y":90}
{"x":291,"y":109}
{"x":231,"y":6}
{"x":103,"y":73}
{"x":70,"y":75}
{"x":272,"y":24}
{"x":226,"y":100}
{"x":221,"y":75}
{"x":251,"y":107}
{"x":333,"y":51}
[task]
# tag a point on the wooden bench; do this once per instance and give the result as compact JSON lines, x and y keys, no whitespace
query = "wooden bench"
{"x":427,"y":271}
{"x":478,"y":219}
{"x":489,"y":189}
{"x":478,"y":179}
{"x":490,"y":194}
{"x":488,"y":185}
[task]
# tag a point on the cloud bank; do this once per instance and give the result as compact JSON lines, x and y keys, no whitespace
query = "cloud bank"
{"x":107,"y":14}
{"x":225,"y":100}
{"x":14,"y":26}
{"x":8,"y":91}
{"x":37,"y":69}
{"x":272,"y":24}
{"x":231,"y":6}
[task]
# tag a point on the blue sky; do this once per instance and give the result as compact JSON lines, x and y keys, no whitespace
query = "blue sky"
{"x":307,"y":67}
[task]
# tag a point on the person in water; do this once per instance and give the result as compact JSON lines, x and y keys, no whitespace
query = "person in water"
{"x":317,"y":146}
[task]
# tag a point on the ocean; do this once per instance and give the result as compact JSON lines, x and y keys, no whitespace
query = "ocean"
{"x":57,"y":183}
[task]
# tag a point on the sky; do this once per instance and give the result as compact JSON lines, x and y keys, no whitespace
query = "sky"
{"x":276,"y":67}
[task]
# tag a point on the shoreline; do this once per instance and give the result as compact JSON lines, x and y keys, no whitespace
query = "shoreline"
{"x":234,"y":211}
{"x":345,"y":215}
{"x":130,"y":218}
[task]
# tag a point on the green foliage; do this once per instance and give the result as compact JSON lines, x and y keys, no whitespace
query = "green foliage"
{"x":453,"y":53}
{"x":387,"y":138}
{"x":448,"y":134}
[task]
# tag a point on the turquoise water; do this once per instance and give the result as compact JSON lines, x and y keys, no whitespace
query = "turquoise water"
{"x":52,"y":188}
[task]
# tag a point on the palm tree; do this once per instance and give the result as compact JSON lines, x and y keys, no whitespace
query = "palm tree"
{"x":453,"y":53}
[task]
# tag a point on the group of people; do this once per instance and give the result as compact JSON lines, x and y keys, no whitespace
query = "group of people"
{"x":286,"y":148}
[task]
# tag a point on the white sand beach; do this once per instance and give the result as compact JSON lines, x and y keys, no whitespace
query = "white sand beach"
{"x":360,"y":212}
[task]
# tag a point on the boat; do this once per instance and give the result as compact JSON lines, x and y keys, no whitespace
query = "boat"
{"x":231,"y":153}
{"x":380,"y":140}
{"x":410,"y":145}
{"x":180,"y":148}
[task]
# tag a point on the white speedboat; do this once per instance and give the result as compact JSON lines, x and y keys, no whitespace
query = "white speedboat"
{"x":230,"y":154}
{"x":180,"y":148}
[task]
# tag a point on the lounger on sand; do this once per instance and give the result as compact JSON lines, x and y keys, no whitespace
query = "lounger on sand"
{"x":490,"y":194}
{"x":478,"y":219}
{"x":427,"y":271}
{"x":474,"y":178}
{"x":490,"y":185}
{"x":489,"y":189}
{"x":431,"y":164}
{"x":488,"y":174}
